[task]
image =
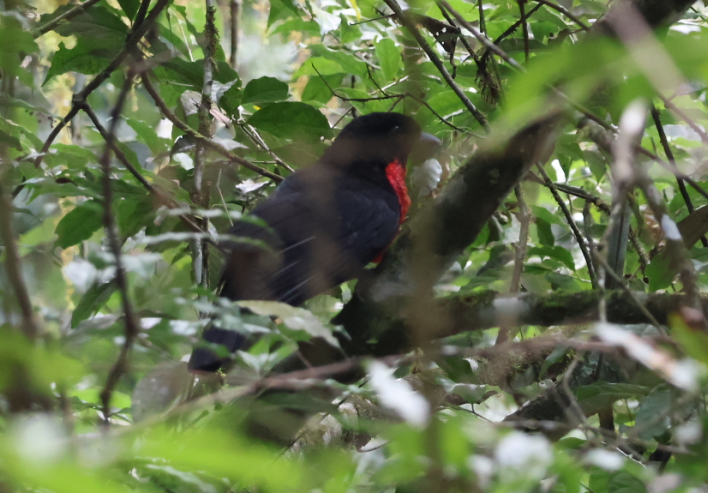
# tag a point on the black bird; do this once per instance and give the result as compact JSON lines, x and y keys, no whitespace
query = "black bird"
{"x":323,"y":224}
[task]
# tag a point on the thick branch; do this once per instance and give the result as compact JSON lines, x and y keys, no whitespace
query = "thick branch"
{"x":436,"y":236}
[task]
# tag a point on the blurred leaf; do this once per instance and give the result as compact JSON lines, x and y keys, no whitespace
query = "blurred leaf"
{"x":318,"y":66}
{"x":80,"y":224}
{"x":8,"y":139}
{"x":294,"y":318}
{"x":281,"y":9}
{"x":231,"y":100}
{"x":265,"y":90}
{"x":164,"y":387}
{"x":694,"y":226}
{"x":291,"y":120}
{"x":97,"y":23}
{"x":616,"y":482}
{"x":92,"y":301}
{"x":555,"y":252}
{"x":130,"y":7}
{"x":653,"y":415}
{"x":600,"y":395}
{"x":659,"y":272}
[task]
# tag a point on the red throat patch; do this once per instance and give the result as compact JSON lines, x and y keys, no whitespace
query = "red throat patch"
{"x":396,"y":174}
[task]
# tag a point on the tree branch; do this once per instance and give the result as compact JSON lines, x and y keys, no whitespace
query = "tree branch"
{"x":132,"y":328}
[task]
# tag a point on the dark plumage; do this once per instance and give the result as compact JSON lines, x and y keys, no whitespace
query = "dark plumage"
{"x":323,"y":224}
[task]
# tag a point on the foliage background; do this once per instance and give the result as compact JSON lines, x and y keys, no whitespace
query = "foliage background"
{"x":549,"y":402}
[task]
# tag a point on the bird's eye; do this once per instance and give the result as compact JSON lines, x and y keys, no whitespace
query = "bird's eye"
{"x":395,"y":129}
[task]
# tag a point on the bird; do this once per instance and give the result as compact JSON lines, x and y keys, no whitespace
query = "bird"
{"x":322,"y":225}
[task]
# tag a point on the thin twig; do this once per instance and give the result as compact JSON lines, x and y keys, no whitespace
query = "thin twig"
{"x":132,"y":328}
{"x":670,"y":156}
{"x":524,"y":29}
{"x":196,"y":135}
{"x":255,"y":137}
{"x":410,"y":26}
{"x":462,"y":39}
{"x":579,"y":192}
{"x":569,"y":218}
{"x":397,"y":97}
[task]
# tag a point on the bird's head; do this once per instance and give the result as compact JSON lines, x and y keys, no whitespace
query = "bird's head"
{"x":381,"y":138}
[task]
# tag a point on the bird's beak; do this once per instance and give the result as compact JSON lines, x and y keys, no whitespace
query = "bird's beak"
{"x":425,"y":148}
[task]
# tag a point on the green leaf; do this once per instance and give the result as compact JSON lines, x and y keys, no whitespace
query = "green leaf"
{"x":600,"y":395}
{"x":659,"y":272}
{"x":133,"y":215}
{"x":545,"y":234}
{"x":8,"y":139}
{"x":231,"y":100}
{"x":316,"y":66}
{"x":554,"y":252}
{"x":615,"y":482}
{"x":293,"y":318}
{"x":92,"y":301}
{"x":191,"y":74}
{"x":557,"y":355}
{"x":308,"y":27}
{"x":389,"y":58}
{"x":97,"y":23}
{"x":265,"y":90}
{"x":147,"y":134}
{"x":317,"y":90}
{"x":84,"y":58}
{"x":291,"y":120}
{"x":346,"y":59}
{"x":281,"y":9}
{"x":653,"y":416}
{"x":14,"y":40}
{"x":130,"y":7}
{"x":79,"y":224}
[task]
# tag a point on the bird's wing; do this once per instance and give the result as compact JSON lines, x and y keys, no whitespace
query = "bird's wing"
{"x":369,"y":231}
{"x":324,"y":228}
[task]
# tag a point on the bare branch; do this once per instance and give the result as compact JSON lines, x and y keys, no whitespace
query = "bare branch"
{"x":569,"y":219}
{"x":132,"y":328}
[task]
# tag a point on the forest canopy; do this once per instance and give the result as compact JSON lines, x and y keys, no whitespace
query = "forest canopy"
{"x":539,"y":324}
